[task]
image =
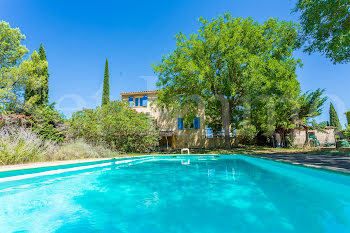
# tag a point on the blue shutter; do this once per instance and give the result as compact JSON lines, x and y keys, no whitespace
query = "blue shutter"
{"x":141,"y":101}
{"x":145,"y":100}
{"x":196,"y":123}
{"x":131,"y":101}
{"x":136,"y":101}
{"x":180,"y":123}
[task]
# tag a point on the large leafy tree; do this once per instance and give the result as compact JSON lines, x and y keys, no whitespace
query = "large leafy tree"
{"x":12,"y":52}
{"x":18,"y":76}
{"x":326,"y":27}
{"x":228,"y":65}
{"x":11,"y":55}
{"x":105,"y":94}
{"x":333,"y":118}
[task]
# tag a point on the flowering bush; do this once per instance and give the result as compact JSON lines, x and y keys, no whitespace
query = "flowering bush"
{"x":115,"y":124}
{"x":21,"y":145}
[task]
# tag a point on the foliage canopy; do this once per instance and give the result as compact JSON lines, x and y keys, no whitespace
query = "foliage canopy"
{"x":233,"y":66}
{"x":326,"y":27}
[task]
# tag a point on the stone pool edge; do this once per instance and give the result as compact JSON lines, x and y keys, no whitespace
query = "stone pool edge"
{"x":14,"y":167}
{"x":6,"y":168}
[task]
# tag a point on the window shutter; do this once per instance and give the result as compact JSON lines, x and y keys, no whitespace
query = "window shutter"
{"x":131,"y":101}
{"x":145,"y":100}
{"x":196,"y":123}
{"x":136,"y":101}
{"x":180,"y":123}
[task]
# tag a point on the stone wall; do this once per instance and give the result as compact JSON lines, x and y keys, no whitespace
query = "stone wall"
{"x":328,"y":136}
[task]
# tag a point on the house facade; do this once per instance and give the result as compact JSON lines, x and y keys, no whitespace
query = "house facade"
{"x":174,"y":133}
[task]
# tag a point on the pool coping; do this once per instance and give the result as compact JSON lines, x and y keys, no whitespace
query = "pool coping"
{"x":6,"y":168}
{"x":15,"y":167}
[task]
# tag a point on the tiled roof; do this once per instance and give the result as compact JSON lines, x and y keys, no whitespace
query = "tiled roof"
{"x":138,"y":92}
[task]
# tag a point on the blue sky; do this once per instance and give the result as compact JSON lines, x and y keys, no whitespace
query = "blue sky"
{"x":79,"y":35}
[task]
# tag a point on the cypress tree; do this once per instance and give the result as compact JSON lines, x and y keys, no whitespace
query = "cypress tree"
{"x":333,"y":118}
{"x":44,"y":92}
{"x":105,"y":94}
{"x":347,"y":114}
{"x":42,"y":53}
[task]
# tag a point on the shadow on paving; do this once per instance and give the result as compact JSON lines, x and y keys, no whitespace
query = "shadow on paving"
{"x":329,"y":162}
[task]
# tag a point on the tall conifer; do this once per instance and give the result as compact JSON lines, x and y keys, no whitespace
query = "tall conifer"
{"x":105,"y":94}
{"x":333,"y":118}
{"x":43,"y":91}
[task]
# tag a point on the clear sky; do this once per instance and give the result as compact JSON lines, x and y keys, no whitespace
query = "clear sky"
{"x":79,"y":35}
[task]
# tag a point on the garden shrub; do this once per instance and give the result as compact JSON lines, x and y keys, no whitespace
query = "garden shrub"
{"x":48,"y":122}
{"x":247,"y":133}
{"x":116,"y":125}
{"x":21,"y":145}
{"x":79,"y":149}
{"x":346,"y":132}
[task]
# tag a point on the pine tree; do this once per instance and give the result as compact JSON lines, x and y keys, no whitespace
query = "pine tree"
{"x":333,"y":118}
{"x":42,"y":92}
{"x":105,"y":94}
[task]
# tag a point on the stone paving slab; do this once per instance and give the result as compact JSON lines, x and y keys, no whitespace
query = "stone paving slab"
{"x":329,"y":162}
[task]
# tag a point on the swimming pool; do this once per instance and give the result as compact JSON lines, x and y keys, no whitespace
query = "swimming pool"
{"x":204,"y":194}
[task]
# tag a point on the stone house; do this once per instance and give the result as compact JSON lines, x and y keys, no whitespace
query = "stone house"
{"x":174,"y":133}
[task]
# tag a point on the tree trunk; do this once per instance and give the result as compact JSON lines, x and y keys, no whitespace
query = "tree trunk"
{"x":225,"y":115}
{"x":306,"y":136}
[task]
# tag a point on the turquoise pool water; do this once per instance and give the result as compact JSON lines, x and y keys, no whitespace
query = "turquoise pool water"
{"x":203,"y":194}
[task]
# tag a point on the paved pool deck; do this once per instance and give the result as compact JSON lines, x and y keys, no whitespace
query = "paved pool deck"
{"x":335,"y":163}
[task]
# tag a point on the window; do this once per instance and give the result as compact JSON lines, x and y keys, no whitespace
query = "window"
{"x":131,"y":101}
{"x":137,"y":102}
{"x":180,"y":123}
{"x":195,"y":124}
{"x":218,"y":133}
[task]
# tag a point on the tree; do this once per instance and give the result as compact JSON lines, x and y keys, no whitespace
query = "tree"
{"x":333,"y":118}
{"x":45,"y":90}
{"x":229,"y":61}
{"x":41,"y":92}
{"x":326,"y":27}
{"x":42,"y":53}
{"x":348,"y":117}
{"x":311,"y":105}
{"x":35,"y":71}
{"x":105,"y":94}
{"x":12,"y":53}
